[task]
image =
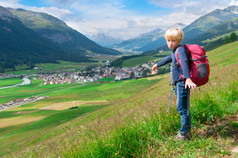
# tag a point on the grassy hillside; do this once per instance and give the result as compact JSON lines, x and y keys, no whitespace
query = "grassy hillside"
{"x":24,"y":126}
{"x":134,"y":123}
{"x":142,"y":128}
{"x":133,"y":60}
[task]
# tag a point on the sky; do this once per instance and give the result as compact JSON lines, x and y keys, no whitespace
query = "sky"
{"x":122,"y":19}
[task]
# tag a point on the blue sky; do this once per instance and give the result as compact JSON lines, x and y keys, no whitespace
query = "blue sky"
{"x":121,"y":18}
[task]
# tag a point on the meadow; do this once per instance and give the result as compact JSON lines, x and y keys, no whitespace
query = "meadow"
{"x":143,"y":59}
{"x":10,"y":81}
{"x":65,"y":103}
{"x":133,"y":123}
{"x":61,"y":66}
{"x":147,"y":131}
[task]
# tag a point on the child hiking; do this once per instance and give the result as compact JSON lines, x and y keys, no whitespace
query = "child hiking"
{"x":173,"y":37}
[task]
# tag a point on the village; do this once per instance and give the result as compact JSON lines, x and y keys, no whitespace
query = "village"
{"x":20,"y":102}
{"x":97,"y":73}
{"x":92,"y":75}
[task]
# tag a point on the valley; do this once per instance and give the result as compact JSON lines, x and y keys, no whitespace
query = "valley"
{"x":76,"y":111}
{"x":86,"y":100}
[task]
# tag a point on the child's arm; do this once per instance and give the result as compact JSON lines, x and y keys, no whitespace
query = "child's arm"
{"x":162,"y":62}
{"x":184,"y":63}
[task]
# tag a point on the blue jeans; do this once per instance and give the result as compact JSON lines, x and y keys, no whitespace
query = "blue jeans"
{"x":182,"y":106}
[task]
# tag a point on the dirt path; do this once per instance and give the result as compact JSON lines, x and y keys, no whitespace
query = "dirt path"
{"x":69,"y":104}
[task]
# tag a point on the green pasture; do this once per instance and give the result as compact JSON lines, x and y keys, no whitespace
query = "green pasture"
{"x":143,"y":59}
{"x":140,"y":126}
{"x":107,"y":79}
{"x":10,"y":82}
{"x":111,"y":91}
{"x":103,"y":58}
{"x":148,"y":131}
{"x":133,"y":124}
{"x":61,"y":66}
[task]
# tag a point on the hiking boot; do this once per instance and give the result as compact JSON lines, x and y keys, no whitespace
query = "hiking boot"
{"x":187,"y":136}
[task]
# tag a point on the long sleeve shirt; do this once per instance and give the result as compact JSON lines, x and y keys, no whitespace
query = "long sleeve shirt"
{"x":176,"y":70}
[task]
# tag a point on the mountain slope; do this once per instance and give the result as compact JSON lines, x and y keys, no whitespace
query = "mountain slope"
{"x":202,"y":28}
{"x":58,"y":32}
{"x":21,"y":45}
{"x":191,"y":31}
{"x":210,"y":20}
{"x":104,"y":40}
{"x":126,"y":127}
{"x":224,"y":28}
{"x":146,"y":41}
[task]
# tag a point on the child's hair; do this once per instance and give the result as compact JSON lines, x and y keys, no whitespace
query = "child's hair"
{"x":174,"y":33}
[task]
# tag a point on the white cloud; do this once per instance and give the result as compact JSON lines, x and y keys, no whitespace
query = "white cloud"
{"x":195,"y":7}
{"x":59,"y":13}
{"x":111,"y":17}
{"x":234,"y":2}
{"x":10,"y":3}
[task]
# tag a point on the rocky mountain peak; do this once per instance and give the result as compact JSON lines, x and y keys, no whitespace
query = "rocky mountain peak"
{"x":232,"y":9}
{"x":5,"y":14}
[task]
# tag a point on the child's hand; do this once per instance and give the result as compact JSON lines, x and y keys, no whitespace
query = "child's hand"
{"x":189,"y":83}
{"x":155,"y":67}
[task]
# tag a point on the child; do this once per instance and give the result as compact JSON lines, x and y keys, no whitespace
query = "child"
{"x":173,"y":38}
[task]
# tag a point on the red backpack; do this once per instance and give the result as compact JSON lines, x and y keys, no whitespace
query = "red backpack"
{"x":198,"y":67}
{"x":198,"y":63}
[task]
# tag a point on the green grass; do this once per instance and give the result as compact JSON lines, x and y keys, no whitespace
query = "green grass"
{"x":107,"y":79}
{"x":111,"y":91}
{"x":152,"y":135}
{"x":58,"y":117}
{"x":135,"y":124}
{"x":61,"y":66}
{"x":143,"y":59}
{"x":137,"y":61}
{"x":10,"y":81}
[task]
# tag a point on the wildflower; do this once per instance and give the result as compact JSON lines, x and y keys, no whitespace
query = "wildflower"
{"x":115,"y":154}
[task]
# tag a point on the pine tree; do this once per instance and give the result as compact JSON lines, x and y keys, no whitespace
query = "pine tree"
{"x":233,"y":37}
{"x":227,"y":40}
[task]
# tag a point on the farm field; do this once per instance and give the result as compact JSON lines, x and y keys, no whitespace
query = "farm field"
{"x":64,"y":103}
{"x":9,"y":82}
{"x":61,"y":66}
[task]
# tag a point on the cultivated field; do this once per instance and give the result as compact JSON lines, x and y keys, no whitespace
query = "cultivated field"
{"x":65,"y":103}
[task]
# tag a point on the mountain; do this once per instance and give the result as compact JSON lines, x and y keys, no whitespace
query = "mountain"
{"x":201,"y":29}
{"x":58,"y":32}
{"x":21,"y":45}
{"x":215,"y":37}
{"x":104,"y":40}
{"x":219,"y":30}
{"x":152,"y":41}
{"x":147,"y":41}
{"x":209,"y":21}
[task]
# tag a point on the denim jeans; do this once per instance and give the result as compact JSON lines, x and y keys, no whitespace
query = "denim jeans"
{"x":182,"y":106}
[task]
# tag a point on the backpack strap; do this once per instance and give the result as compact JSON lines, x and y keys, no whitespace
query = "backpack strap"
{"x":198,"y":59}
{"x":170,"y":75}
{"x":176,"y":52}
{"x":170,"y":98}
